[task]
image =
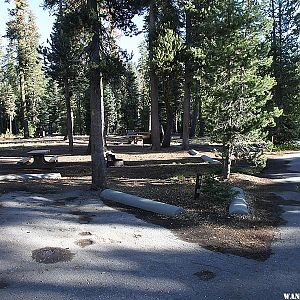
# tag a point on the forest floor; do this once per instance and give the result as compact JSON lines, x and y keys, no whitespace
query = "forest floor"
{"x":168,"y":176}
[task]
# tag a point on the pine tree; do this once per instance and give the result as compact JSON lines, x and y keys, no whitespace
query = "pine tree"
{"x":286,"y":58}
{"x":120,"y":15}
{"x":79,"y":96}
{"x":10,"y":86}
{"x":52,"y":108}
{"x":34,"y":77}
{"x":63,"y":58}
{"x":196,"y":14}
{"x":111,"y":110}
{"x":91,"y":17}
{"x":17,"y":31}
{"x":169,"y":46}
{"x":155,"y":124}
{"x":7,"y":100}
{"x":7,"y":97}
{"x":168,"y":65}
{"x":188,"y":77}
{"x":1,"y":89}
{"x":236,"y":107}
{"x":21,"y":29}
{"x":129,"y":105}
{"x":144,"y":91}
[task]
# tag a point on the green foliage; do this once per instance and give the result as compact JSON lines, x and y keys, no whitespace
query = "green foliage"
{"x":6,"y":135}
{"x":66,"y":46}
{"x":167,"y":54}
{"x":129,"y":105}
{"x":144,"y":88}
{"x":290,"y":146}
{"x":7,"y":98}
{"x":213,"y":189}
{"x":23,"y":47}
{"x":237,"y":90}
{"x":112,"y":109}
{"x":32,"y":129}
{"x":260,"y":161}
{"x":285,"y":52}
{"x":169,"y":47}
{"x":51,"y":108}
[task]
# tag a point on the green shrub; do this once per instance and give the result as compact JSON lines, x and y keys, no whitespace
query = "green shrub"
{"x":286,"y":147}
{"x":215,"y":190}
{"x":31,"y":128}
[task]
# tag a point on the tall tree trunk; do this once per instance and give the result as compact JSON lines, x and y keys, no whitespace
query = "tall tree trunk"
{"x":69,"y":114}
{"x":155,"y":126}
{"x":275,"y":50}
{"x":96,"y":103}
{"x":195,"y":118}
{"x":278,"y":72}
{"x":176,"y":122}
{"x":88,"y":149}
{"x":168,"y":131}
{"x":24,"y":117}
{"x":10,"y":124}
{"x":187,"y":90}
{"x":2,"y":126}
{"x":79,"y":117}
{"x":201,"y":120}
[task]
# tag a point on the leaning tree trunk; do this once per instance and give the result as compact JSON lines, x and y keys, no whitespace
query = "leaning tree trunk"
{"x":96,"y":103}
{"x":155,"y":126}
{"x":187,"y":90}
{"x":69,"y":114}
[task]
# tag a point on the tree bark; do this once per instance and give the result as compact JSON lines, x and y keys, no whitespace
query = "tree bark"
{"x":155,"y":125}
{"x":176,"y":122}
{"x":228,"y":161}
{"x":195,"y":118}
{"x":69,"y":114}
{"x":96,"y":103}
{"x":168,"y":131}
{"x":10,"y":124}
{"x":201,"y":120}
{"x":2,"y":126}
{"x":187,"y":90}
{"x":24,"y":118}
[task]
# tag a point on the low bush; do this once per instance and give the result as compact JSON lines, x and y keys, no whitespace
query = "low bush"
{"x":214,"y":189}
{"x":286,"y":147}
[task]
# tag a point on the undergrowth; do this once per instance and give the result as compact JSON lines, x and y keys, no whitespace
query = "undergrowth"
{"x":214,"y":189}
{"x":286,"y":147}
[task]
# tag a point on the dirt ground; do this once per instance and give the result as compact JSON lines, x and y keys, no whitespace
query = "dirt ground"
{"x":167,"y":176}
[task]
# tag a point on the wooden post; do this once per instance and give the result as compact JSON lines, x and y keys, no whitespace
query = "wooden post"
{"x":198,"y":185}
